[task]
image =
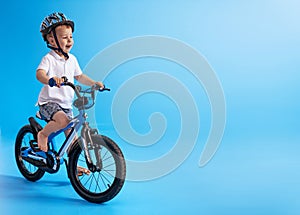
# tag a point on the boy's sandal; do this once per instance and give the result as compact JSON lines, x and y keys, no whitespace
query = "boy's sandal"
{"x":82,"y":170}
{"x":35,"y":147}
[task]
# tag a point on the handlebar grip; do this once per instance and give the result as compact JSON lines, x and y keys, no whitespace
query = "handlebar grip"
{"x":104,"y":89}
{"x":52,"y":82}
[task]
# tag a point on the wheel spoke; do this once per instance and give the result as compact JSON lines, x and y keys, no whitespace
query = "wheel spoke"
{"x":103,"y":157}
{"x":89,"y":178}
{"x":97,"y":184}
{"x":108,"y":172}
{"x":108,"y":165}
{"x":103,"y":180}
{"x":107,"y":158}
{"x":103,"y":177}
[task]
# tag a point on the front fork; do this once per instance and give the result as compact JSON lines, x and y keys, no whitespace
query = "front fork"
{"x":89,"y":147}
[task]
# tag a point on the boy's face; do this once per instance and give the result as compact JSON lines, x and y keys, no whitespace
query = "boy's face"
{"x":64,"y":36}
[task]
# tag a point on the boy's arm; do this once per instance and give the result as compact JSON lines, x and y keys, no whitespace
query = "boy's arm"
{"x":42,"y":76}
{"x":84,"y":79}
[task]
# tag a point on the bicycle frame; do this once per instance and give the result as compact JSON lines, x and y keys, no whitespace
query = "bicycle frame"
{"x":75,"y":124}
{"x":52,"y":159}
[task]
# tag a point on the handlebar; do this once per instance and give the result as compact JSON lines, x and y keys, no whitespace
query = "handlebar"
{"x":95,"y":87}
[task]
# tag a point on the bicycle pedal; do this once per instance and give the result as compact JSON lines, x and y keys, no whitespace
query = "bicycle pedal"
{"x":36,"y":158}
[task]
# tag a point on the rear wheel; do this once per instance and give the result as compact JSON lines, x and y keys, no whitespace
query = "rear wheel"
{"x":29,"y":171}
{"x":103,"y":184}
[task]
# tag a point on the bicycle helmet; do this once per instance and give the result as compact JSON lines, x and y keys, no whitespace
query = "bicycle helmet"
{"x":49,"y":24}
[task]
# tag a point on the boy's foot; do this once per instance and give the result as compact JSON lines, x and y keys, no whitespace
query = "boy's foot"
{"x":42,"y":141}
{"x":82,"y":170}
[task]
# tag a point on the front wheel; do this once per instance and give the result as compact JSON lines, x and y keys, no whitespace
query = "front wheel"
{"x":29,"y":171}
{"x":100,"y":185}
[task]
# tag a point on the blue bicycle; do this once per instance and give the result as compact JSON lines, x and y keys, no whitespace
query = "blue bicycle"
{"x":95,"y":164}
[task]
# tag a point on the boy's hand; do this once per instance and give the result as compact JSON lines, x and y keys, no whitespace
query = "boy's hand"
{"x":100,"y":84}
{"x":58,"y":81}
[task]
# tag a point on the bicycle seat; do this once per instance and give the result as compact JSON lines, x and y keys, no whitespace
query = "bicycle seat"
{"x":36,"y":127}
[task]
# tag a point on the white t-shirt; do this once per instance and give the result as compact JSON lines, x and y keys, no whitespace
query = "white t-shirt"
{"x":54,"y":65}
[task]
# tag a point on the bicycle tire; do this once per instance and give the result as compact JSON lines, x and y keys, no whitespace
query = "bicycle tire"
{"x":92,"y":187}
{"x":29,"y":171}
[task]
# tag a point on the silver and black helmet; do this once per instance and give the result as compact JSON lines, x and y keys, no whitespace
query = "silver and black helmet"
{"x":53,"y":20}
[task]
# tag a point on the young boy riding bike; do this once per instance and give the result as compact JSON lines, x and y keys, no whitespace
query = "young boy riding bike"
{"x":55,"y":103}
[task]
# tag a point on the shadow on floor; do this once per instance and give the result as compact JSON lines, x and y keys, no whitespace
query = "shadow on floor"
{"x":19,"y":188}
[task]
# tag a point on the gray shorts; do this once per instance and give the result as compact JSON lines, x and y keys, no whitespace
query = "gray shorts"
{"x":48,"y":110}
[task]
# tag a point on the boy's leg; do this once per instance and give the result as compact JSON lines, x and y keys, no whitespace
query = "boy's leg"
{"x":59,"y":121}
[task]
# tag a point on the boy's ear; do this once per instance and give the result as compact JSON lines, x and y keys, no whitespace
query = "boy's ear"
{"x":51,"y":40}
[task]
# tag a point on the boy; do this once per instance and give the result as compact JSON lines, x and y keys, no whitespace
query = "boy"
{"x":56,"y":102}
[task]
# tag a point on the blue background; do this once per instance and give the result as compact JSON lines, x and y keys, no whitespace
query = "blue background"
{"x":253,"y":48}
